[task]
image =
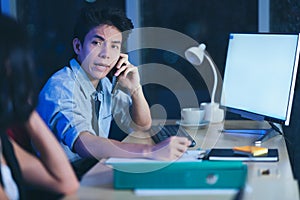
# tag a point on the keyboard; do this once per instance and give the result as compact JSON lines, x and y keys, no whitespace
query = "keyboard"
{"x":164,"y":132}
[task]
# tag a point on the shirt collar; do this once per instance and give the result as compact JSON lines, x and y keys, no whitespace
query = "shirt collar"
{"x":83,"y":80}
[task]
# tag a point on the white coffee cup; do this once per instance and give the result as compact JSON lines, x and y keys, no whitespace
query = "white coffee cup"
{"x":213,"y":113}
{"x":192,"y":115}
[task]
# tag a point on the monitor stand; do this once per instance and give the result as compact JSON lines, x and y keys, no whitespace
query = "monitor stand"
{"x":266,"y":133}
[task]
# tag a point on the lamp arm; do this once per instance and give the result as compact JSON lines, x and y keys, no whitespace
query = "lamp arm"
{"x":213,"y":67}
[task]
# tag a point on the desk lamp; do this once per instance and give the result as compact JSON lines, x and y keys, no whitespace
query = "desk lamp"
{"x":196,"y":55}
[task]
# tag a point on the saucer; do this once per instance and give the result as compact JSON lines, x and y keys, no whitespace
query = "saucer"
{"x":201,"y":124}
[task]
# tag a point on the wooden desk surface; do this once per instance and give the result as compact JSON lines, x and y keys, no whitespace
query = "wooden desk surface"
{"x":279,"y":184}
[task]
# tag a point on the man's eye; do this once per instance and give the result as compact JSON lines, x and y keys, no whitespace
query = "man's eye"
{"x":99,"y":43}
{"x":115,"y":46}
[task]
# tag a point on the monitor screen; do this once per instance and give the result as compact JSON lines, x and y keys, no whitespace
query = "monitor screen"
{"x":260,"y":75}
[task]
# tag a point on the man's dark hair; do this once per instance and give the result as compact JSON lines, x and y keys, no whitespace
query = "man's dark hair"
{"x":89,"y":18}
{"x":17,"y":77}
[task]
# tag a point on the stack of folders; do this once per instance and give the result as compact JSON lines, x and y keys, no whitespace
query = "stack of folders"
{"x":182,"y":174}
{"x":244,"y":153}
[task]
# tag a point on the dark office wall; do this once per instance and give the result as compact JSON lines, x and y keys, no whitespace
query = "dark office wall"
{"x":208,"y":22}
{"x":285,"y":18}
{"x":50,"y":25}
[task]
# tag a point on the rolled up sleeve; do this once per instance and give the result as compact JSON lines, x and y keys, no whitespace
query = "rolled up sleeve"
{"x":60,"y":107}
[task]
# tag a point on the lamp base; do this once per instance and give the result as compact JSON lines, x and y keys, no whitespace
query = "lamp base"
{"x":213,"y":113}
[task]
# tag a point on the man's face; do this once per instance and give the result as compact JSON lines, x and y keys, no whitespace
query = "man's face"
{"x":100,"y":51}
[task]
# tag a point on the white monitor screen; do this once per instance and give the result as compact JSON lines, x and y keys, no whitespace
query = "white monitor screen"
{"x":260,"y":75}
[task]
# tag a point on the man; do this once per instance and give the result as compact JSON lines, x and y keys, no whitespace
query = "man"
{"x":68,"y":101}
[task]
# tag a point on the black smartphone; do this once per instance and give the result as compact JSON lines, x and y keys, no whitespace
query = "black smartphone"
{"x":113,"y":78}
{"x":114,"y":84}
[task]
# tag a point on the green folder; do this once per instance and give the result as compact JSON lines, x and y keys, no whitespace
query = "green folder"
{"x":180,"y":175}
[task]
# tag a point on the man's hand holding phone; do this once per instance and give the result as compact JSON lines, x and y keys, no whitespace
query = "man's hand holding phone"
{"x":126,"y":74}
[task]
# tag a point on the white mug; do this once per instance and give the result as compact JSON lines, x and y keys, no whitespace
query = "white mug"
{"x":213,"y":113}
{"x":192,"y":115}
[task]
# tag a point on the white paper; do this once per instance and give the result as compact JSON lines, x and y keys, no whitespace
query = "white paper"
{"x":188,"y":156}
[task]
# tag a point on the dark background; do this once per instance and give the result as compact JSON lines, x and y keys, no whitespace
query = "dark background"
{"x":50,"y":24}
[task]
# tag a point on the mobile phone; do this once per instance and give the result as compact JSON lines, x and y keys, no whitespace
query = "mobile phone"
{"x":114,"y":84}
{"x":114,"y":79}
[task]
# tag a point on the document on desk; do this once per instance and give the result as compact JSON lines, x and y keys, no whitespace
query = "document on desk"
{"x":188,"y":156}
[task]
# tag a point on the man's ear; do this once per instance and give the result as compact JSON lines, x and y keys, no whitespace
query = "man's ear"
{"x":76,"y":45}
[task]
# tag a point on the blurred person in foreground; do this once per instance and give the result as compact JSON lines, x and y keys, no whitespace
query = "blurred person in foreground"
{"x":23,"y":171}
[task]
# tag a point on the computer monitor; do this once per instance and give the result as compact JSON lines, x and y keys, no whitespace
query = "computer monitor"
{"x":260,"y":75}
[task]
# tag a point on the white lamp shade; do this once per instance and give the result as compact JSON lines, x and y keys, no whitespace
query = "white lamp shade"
{"x":195,"y":55}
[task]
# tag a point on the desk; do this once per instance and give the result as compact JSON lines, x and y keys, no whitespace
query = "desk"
{"x":97,"y":183}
